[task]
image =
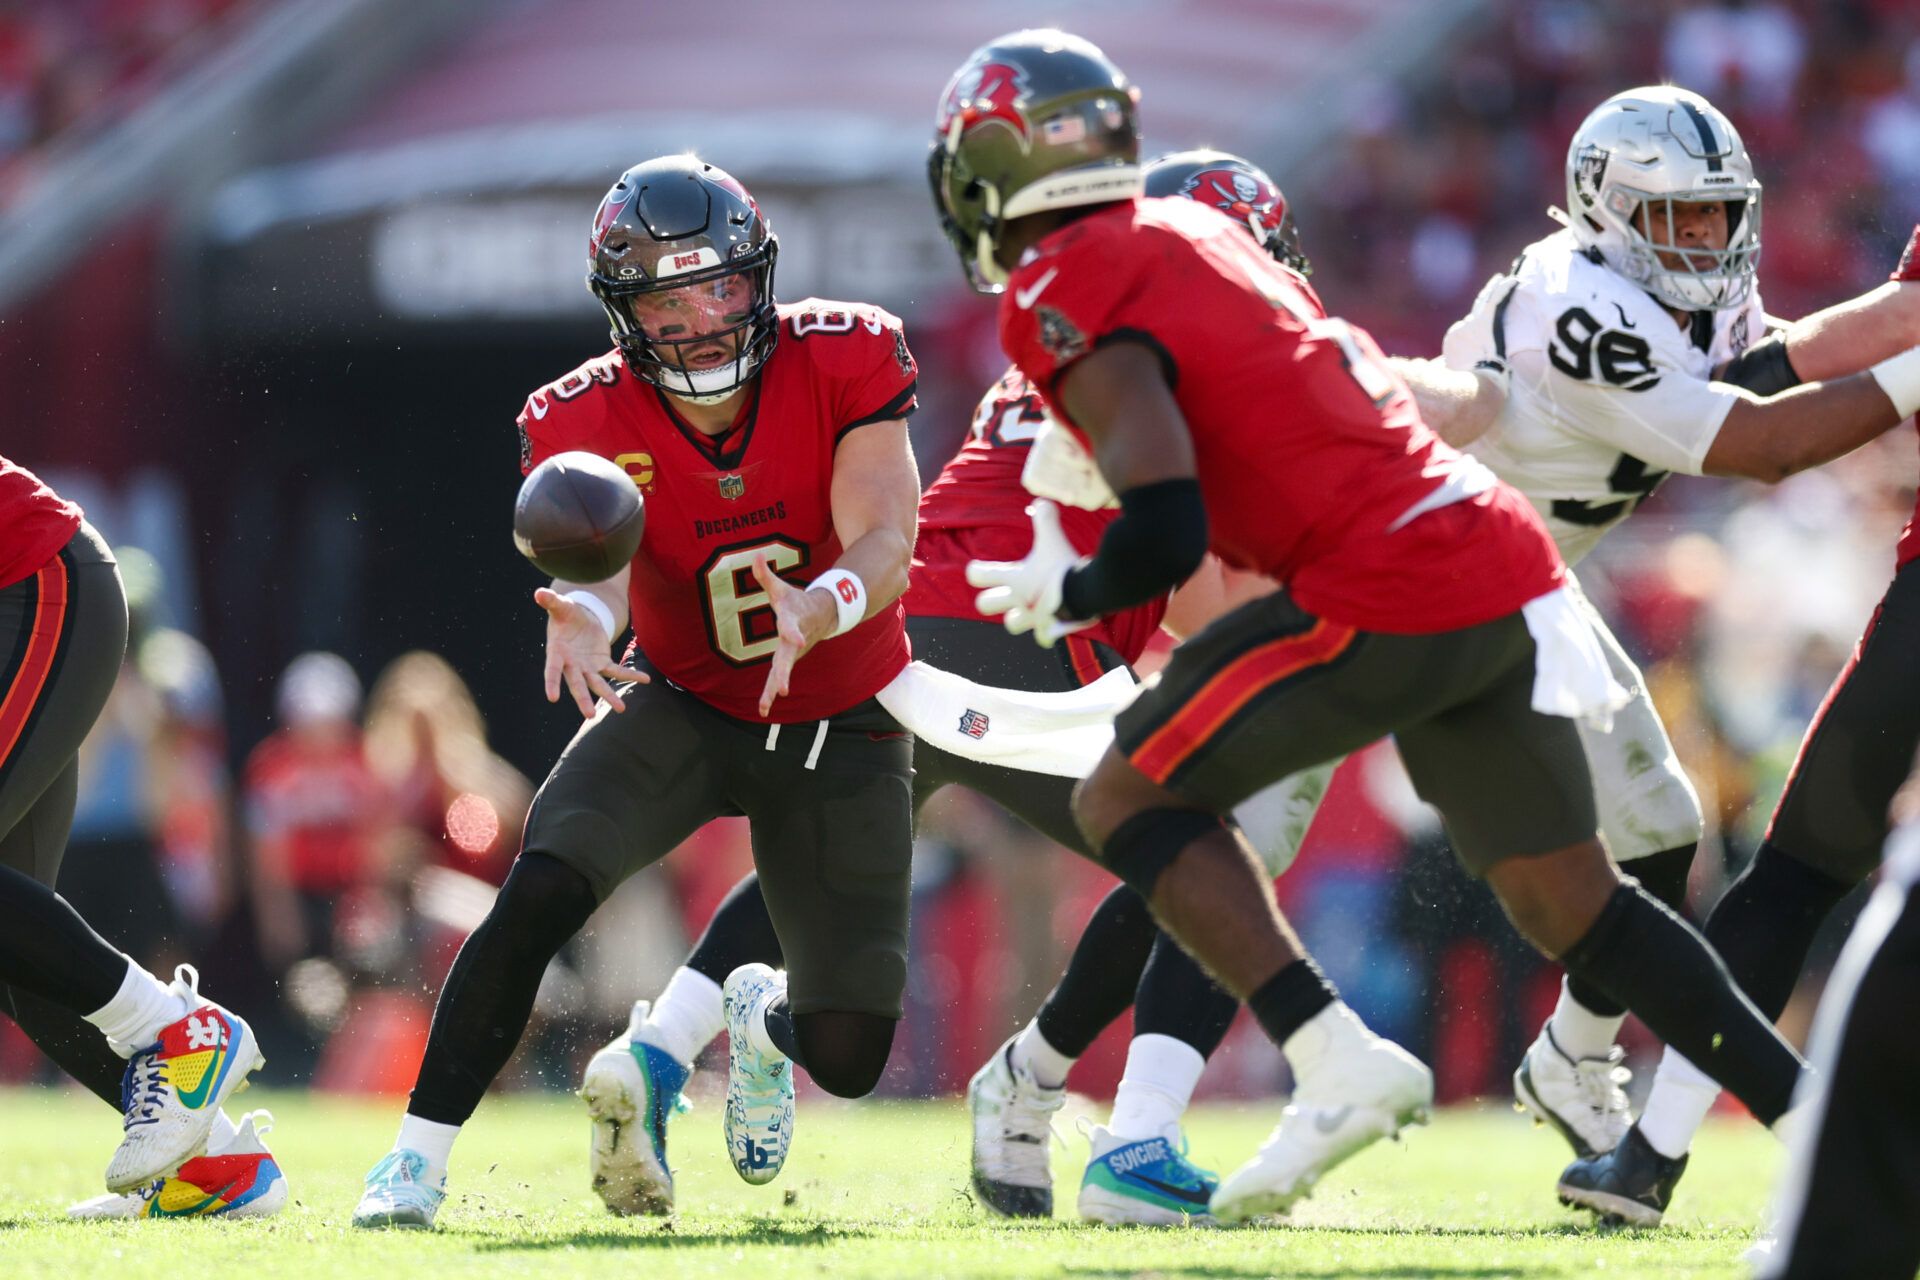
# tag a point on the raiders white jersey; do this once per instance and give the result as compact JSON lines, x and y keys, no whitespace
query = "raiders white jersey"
{"x":1609,"y":394}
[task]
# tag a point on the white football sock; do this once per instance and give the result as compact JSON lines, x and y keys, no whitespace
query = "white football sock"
{"x":1156,"y":1087}
{"x":1032,"y":1054}
{"x":132,"y":1019}
{"x":431,"y":1139}
{"x":687,"y":1017}
{"x":1682,"y":1096}
{"x":1321,"y":1040}
{"x":1579,"y":1031}
{"x":222,"y":1134}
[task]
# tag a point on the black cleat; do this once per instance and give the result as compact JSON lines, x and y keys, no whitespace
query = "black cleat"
{"x":1630,"y":1184}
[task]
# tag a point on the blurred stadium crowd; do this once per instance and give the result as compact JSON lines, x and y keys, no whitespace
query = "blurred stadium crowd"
{"x":335,"y":856}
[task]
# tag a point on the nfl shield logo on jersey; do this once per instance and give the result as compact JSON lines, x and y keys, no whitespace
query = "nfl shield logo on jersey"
{"x":733,"y":487}
{"x":973,"y":723}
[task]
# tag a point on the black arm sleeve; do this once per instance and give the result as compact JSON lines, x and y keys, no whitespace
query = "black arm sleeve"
{"x":1155,"y":545}
{"x":1763,"y":368}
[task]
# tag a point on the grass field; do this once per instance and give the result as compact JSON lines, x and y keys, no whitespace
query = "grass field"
{"x":872,"y":1190}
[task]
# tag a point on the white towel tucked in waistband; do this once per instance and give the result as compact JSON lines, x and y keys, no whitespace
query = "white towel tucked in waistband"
{"x":1059,"y":733}
{"x":1570,"y":673}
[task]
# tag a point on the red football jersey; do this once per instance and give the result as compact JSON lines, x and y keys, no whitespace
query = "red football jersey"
{"x":1312,"y":459}
{"x":763,"y":488}
{"x":36,"y":521}
{"x":1910,"y":536}
{"x":977,"y":510}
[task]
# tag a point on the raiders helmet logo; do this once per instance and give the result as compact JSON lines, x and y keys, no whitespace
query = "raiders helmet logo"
{"x":1587,"y":168}
{"x":1059,"y":337}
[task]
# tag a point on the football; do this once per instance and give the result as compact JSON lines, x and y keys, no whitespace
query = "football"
{"x":578,"y":517}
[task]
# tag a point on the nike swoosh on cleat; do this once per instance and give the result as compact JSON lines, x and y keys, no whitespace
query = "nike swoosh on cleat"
{"x":1328,"y":1121}
{"x":1185,"y":1195}
{"x":1025,"y":298}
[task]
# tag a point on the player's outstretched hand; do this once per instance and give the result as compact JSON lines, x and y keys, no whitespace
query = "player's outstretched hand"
{"x":803,"y":619}
{"x":577,"y":655}
{"x":1025,"y":594}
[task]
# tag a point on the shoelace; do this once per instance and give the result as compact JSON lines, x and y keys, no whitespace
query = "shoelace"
{"x":143,"y":1089}
{"x":1604,"y":1081}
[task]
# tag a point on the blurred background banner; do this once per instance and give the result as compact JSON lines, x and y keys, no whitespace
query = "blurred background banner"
{"x":276,"y":275}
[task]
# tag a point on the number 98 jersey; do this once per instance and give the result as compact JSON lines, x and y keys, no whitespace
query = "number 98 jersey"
{"x":764,"y":488}
{"x":1609,"y":394}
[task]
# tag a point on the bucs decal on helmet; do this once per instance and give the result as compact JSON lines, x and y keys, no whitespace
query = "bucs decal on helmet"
{"x":985,"y":93}
{"x":1236,"y":192}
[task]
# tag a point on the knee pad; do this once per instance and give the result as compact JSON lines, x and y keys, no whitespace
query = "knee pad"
{"x":1146,"y":844}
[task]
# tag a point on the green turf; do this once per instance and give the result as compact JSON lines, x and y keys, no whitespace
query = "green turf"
{"x":871,"y":1190}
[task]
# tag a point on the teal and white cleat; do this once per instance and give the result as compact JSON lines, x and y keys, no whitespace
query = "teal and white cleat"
{"x":631,"y":1089}
{"x":1150,"y":1182}
{"x":397,"y":1194}
{"x":759,"y":1085}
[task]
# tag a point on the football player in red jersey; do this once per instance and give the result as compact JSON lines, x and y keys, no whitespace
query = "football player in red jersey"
{"x":1423,"y":597}
{"x":770,"y":443}
{"x":109,"y":1023}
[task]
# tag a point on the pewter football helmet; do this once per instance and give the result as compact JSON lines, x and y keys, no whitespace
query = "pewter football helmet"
{"x":1646,"y":150}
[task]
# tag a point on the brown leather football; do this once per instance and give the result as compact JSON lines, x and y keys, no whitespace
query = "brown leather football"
{"x":578,"y":517}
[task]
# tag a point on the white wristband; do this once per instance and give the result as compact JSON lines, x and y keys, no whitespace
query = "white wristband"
{"x":594,"y":605}
{"x":849,"y":597}
{"x":1899,"y":377}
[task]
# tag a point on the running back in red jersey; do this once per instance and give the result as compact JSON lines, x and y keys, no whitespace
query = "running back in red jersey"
{"x":763,"y":488}
{"x":976,"y":509}
{"x":1312,"y":460}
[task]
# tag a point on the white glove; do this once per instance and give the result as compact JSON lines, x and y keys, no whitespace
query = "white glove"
{"x":1059,"y":468}
{"x":1025,"y":594}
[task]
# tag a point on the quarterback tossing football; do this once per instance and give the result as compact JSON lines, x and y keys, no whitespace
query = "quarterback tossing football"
{"x":578,"y":517}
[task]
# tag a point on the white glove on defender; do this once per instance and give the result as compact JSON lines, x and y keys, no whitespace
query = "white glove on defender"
{"x":1060,"y":469}
{"x":1025,"y":594}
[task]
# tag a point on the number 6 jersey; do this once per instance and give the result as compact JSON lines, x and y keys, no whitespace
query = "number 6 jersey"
{"x":1609,"y":394}
{"x":765,"y":487}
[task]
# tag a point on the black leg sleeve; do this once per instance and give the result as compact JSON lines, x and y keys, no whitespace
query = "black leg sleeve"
{"x":1764,"y":923}
{"x":1664,"y":876}
{"x":741,"y":932}
{"x":47,"y":950}
{"x":1651,"y":961}
{"x":74,"y":1044}
{"x":1176,"y":998}
{"x":488,"y":998}
{"x":1102,"y":975}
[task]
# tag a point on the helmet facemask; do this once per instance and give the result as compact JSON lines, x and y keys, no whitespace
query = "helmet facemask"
{"x":1691,"y":277}
{"x":668,"y":328}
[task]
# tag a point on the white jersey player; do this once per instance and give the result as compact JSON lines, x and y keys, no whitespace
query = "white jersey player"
{"x":1632,"y":344}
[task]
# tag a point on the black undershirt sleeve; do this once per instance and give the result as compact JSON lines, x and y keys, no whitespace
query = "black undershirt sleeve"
{"x":1155,"y":545}
{"x":1763,"y":368}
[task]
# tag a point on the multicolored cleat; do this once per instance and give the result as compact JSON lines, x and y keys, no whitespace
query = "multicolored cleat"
{"x":239,"y":1180}
{"x":759,"y":1120}
{"x":1149,"y":1182}
{"x":631,"y":1089}
{"x":174,"y":1088}
{"x":402,"y":1193}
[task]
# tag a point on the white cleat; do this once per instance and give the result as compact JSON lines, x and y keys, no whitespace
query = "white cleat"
{"x":631,"y":1088}
{"x":239,"y":1179}
{"x":174,"y":1087}
{"x":400,"y":1194}
{"x":1012,"y":1123}
{"x":759,"y":1118}
{"x":1352,"y":1102}
{"x":1584,"y":1099}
